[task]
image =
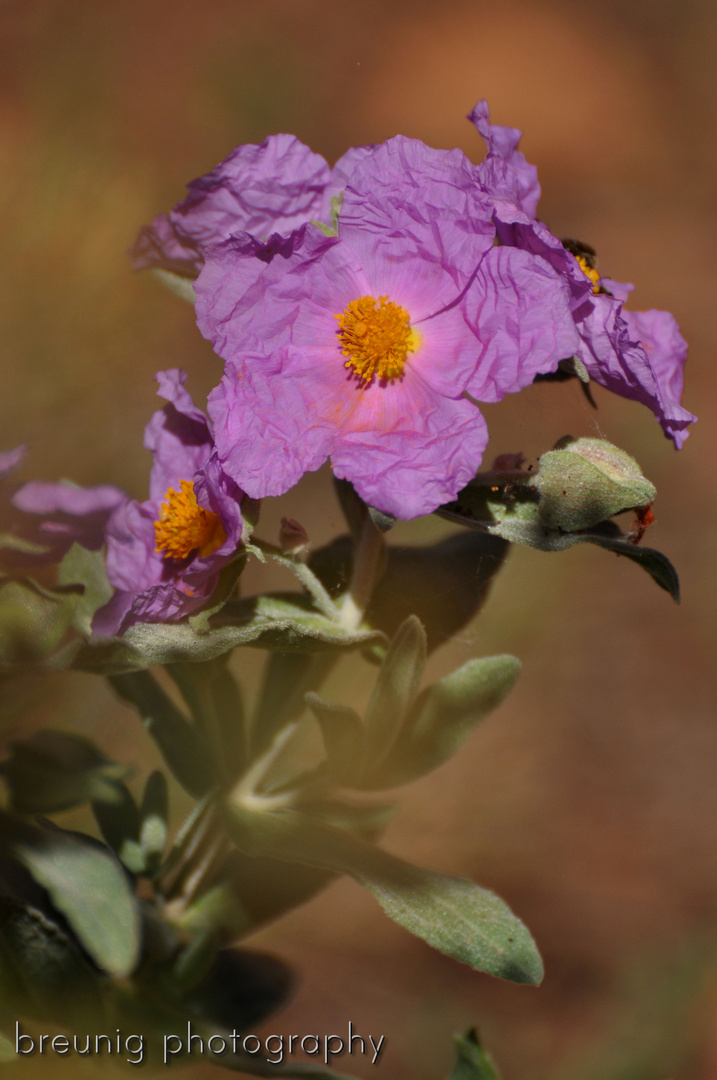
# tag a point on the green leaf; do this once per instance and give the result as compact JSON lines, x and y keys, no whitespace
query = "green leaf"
{"x":514,"y":515}
{"x":119,"y":824}
{"x":473,"y":1062}
{"x":216,"y":705}
{"x":444,"y":716}
{"x":88,"y":885}
{"x":180,"y":743}
{"x":52,"y":770}
{"x":396,"y":689}
{"x":343,"y":735}
{"x":453,"y":915}
{"x":281,"y":621}
{"x":85,"y":568}
{"x":153,"y":813}
{"x":460,"y":919}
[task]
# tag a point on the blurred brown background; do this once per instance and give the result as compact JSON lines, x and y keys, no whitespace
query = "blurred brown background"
{"x":589,"y":800}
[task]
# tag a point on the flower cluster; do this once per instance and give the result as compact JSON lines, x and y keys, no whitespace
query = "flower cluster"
{"x":363,"y":313}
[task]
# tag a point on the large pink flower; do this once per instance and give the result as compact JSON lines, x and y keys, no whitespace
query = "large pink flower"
{"x":368,"y":347}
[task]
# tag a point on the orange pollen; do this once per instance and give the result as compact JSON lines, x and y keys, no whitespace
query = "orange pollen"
{"x":590,"y":272}
{"x":376,"y":336}
{"x":184,"y":526}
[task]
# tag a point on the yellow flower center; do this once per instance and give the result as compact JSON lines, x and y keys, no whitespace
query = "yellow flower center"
{"x":590,"y":272}
{"x":376,"y":336}
{"x":184,"y":526}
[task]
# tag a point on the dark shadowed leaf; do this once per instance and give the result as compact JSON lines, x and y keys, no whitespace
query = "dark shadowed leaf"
{"x":443,"y":584}
{"x":53,"y":770}
{"x":513,"y":513}
{"x":178,"y":740}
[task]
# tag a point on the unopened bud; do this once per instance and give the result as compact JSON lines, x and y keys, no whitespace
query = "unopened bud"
{"x":586,"y":481}
{"x":293,"y":537}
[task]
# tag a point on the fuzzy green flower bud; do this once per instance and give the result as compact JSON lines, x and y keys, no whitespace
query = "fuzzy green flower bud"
{"x":585,"y":481}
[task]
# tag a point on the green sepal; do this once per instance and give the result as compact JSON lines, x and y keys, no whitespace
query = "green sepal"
{"x":287,"y":622}
{"x":512,"y":512}
{"x":453,"y":915}
{"x":178,"y":740}
{"x":333,"y":228}
{"x":84,"y":882}
{"x":473,"y":1062}
{"x":395,"y":690}
{"x":88,"y":569}
{"x":586,"y":481}
{"x":54,"y":770}
{"x":443,"y":717}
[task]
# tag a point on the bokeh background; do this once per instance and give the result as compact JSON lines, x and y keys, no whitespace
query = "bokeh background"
{"x":589,"y":800}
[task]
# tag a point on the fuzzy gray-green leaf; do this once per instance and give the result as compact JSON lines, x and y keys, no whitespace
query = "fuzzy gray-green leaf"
{"x":396,"y":688}
{"x":444,"y":716}
{"x":285,"y":622}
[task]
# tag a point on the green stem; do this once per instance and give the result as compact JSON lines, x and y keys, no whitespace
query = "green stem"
{"x":306,"y":576}
{"x":367,"y":561}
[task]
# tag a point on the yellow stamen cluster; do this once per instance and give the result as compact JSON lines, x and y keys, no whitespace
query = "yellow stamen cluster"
{"x":376,"y":336}
{"x":590,"y":272}
{"x":184,"y":526}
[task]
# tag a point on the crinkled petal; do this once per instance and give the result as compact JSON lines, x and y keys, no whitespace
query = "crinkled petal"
{"x":163,"y":245}
{"x":178,"y":435}
{"x":249,"y":298}
{"x":344,"y":168}
{"x":665,"y":346}
{"x":409,"y":204}
{"x":407,"y":449}
{"x":37,"y":497}
{"x":519,"y":310}
{"x":158,"y":603}
{"x":622,"y":365}
{"x":132,"y":563}
{"x":259,"y":189}
{"x":505,"y":172}
{"x":56,"y":515}
{"x":267,"y":428}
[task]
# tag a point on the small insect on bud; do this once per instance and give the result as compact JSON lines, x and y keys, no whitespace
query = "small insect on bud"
{"x":585,"y":481}
{"x":293,"y":537}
